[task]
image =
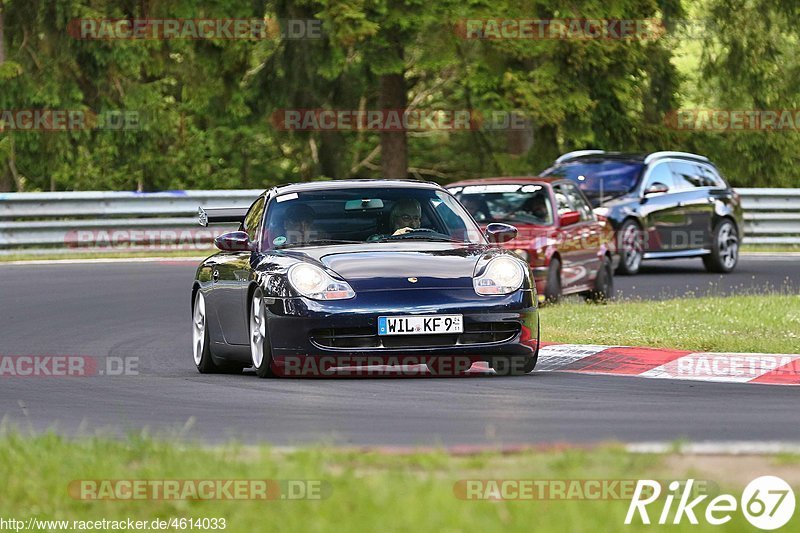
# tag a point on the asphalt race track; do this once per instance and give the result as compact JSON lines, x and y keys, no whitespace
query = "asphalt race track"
{"x":141,"y":310}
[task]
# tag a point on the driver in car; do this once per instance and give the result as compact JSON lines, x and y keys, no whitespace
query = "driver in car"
{"x":537,"y":207}
{"x":406,"y":216}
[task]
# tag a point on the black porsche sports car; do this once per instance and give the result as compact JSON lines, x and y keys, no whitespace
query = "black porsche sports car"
{"x":346,"y":273}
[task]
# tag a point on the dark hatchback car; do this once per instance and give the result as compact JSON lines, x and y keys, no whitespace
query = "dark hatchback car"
{"x":663,"y":205}
{"x":340,"y":273}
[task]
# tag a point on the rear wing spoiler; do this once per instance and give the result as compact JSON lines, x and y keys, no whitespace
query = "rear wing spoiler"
{"x":221,"y":215}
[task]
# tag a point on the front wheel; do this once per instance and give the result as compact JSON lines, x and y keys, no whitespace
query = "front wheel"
{"x":513,"y":366}
{"x":724,"y":249}
{"x":201,"y":344}
{"x":552,"y":291}
{"x":260,"y":351}
{"x":604,"y":283}
{"x":518,"y":365}
{"x":631,"y":248}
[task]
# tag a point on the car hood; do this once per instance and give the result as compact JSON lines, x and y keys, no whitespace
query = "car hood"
{"x":390,"y":266}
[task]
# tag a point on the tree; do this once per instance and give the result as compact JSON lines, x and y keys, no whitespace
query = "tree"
{"x":751,"y":61}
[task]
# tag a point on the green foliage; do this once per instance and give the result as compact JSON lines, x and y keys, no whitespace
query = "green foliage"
{"x":751,"y":60}
{"x":205,"y":106}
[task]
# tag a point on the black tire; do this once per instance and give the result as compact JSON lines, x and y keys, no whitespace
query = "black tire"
{"x":517,"y":365}
{"x":552,"y":291}
{"x":630,"y":244}
{"x":513,"y":365}
{"x":205,"y":364}
{"x":724,"y":254}
{"x":604,"y":283}
{"x":257,"y":317}
{"x":204,"y":359}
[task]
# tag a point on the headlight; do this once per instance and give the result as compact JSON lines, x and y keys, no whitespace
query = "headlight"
{"x":503,"y":275}
{"x":602,"y":211}
{"x":313,"y":282}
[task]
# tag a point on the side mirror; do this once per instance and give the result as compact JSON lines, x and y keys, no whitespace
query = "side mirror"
{"x":235,"y":241}
{"x":569,"y":218}
{"x":656,"y":188}
{"x":499,"y":233}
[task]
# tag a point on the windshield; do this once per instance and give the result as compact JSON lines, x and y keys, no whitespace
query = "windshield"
{"x":600,"y":178}
{"x":365,"y":215}
{"x":507,"y":203}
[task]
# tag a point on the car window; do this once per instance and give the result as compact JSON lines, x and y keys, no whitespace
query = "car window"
{"x":562,"y":200}
{"x":600,"y":177}
{"x":712,"y":178}
{"x":369,"y":214}
{"x":507,"y":202}
{"x":687,"y":175}
{"x":252,"y":219}
{"x":661,"y":173}
{"x":578,"y":201}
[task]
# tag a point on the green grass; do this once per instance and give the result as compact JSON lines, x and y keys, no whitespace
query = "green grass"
{"x":367,"y":491}
{"x":771,"y":248}
{"x":767,"y":323}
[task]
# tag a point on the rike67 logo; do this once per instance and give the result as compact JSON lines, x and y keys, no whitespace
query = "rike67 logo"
{"x":767,"y":502}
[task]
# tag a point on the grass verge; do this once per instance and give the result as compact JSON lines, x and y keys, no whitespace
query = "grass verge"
{"x":763,"y":324}
{"x":771,"y":248}
{"x":367,"y":491}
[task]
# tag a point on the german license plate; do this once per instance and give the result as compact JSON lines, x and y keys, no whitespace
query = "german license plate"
{"x":420,"y":325}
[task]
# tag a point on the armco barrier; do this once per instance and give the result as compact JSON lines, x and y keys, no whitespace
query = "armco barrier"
{"x":88,"y":220}
{"x":771,"y":216}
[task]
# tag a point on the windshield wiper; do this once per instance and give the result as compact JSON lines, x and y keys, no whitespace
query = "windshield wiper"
{"x":412,"y":237}
{"x":316,"y":242}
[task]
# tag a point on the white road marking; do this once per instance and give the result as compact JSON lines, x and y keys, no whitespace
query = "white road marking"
{"x":715,"y":447}
{"x":558,"y":356}
{"x":720,"y":367}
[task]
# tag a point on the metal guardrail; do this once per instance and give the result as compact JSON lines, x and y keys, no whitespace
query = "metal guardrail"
{"x":771,"y":216}
{"x":88,"y":221}
{"x":95,"y":221}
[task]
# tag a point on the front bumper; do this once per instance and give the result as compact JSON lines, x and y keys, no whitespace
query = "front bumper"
{"x":346,"y":330}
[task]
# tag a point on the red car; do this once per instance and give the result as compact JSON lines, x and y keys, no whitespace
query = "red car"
{"x":569,"y":248}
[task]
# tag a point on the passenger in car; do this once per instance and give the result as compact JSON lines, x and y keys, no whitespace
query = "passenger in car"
{"x":298,"y":223}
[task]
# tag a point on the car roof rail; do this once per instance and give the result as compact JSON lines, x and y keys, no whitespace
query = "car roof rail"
{"x":659,"y":155}
{"x":578,"y":153}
